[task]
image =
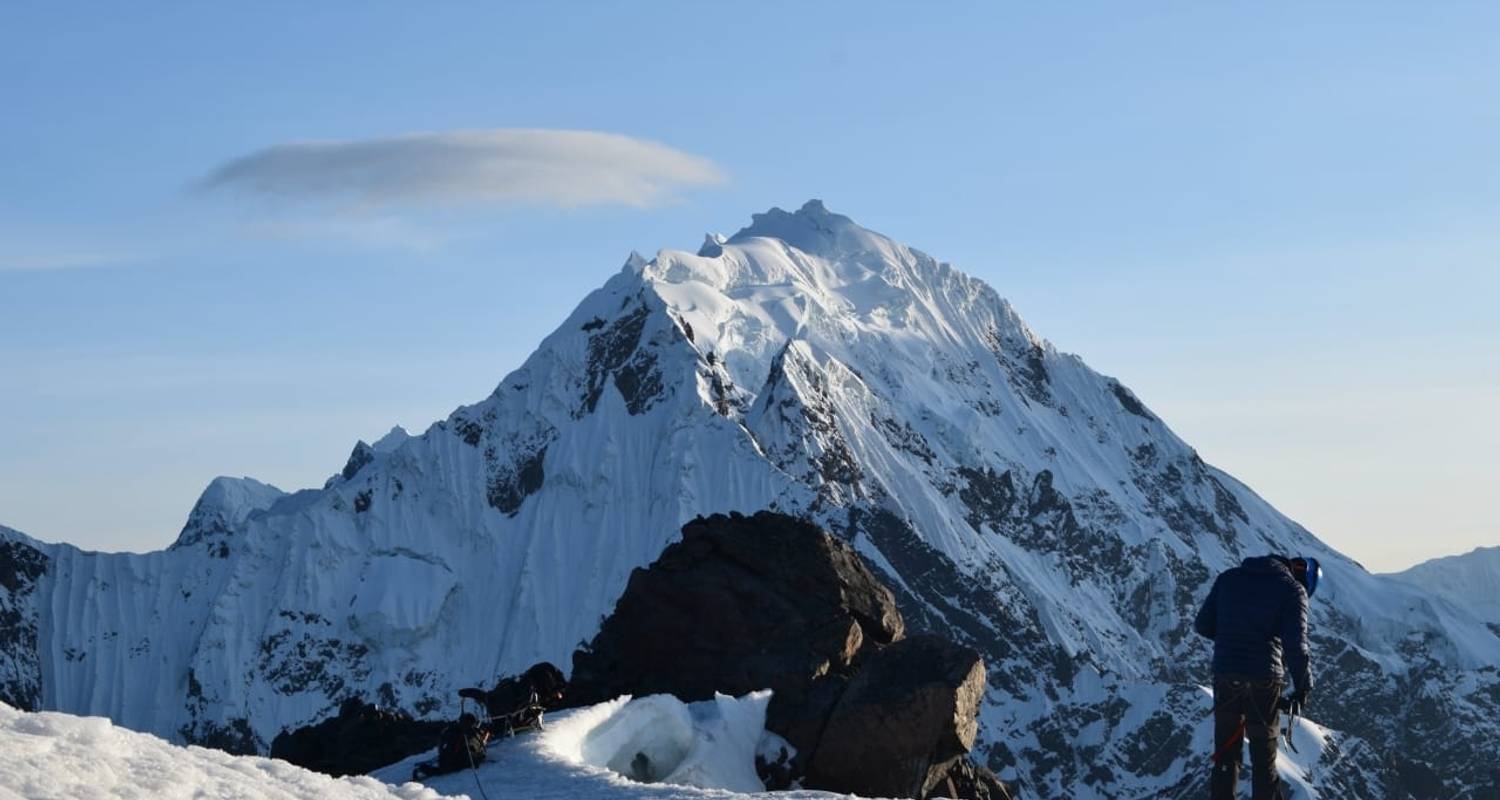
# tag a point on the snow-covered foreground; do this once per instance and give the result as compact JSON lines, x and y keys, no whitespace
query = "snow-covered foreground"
{"x":687,"y":751}
{"x":669,"y":749}
{"x":49,"y":755}
{"x":684,"y":750}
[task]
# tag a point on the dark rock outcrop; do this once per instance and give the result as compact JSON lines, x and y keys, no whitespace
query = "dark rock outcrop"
{"x":740,"y":604}
{"x":771,"y":601}
{"x":21,"y":568}
{"x":969,"y":780}
{"x":904,"y":719}
{"x":361,"y":738}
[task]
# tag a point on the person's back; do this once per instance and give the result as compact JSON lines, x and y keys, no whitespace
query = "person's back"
{"x":462,"y":744}
{"x":1256,"y":614}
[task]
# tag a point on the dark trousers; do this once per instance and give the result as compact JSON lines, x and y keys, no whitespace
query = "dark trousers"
{"x":1245,"y":710}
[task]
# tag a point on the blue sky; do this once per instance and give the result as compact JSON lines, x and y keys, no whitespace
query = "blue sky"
{"x":1276,"y":223}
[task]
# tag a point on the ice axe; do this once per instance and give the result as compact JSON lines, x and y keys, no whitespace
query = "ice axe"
{"x":1291,"y":709}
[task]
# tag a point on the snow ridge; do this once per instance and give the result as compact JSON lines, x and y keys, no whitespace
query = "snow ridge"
{"x":1470,"y":581}
{"x":1012,"y":497}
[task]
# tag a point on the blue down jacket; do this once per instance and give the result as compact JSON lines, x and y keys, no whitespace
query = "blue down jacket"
{"x":1256,"y":614}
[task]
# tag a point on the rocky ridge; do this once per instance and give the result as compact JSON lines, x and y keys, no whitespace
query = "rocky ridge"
{"x":769,"y":601}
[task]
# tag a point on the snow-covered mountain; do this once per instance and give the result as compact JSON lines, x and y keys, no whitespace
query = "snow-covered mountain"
{"x":1470,"y":581}
{"x":1014,"y":498}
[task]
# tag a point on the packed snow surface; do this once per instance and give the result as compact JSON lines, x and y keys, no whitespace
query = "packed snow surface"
{"x":652,"y":748}
{"x":660,"y":739}
{"x":49,"y":755}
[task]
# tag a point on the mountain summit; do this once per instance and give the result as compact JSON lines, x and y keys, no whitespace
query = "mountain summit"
{"x":1012,"y":497}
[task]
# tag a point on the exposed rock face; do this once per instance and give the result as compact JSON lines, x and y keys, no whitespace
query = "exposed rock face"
{"x":902,"y":722}
{"x":21,"y":567}
{"x":364,"y":737}
{"x":361,"y":738}
{"x":740,"y":604}
{"x":969,"y":780}
{"x":770,"y":601}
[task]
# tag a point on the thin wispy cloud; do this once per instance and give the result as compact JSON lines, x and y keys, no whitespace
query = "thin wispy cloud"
{"x":59,"y":259}
{"x":25,"y":248}
{"x":558,"y":168}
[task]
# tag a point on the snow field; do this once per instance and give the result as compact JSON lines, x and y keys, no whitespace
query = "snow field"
{"x":647,"y":748}
{"x":654,"y":748}
{"x":660,"y":739}
{"x":48,"y":755}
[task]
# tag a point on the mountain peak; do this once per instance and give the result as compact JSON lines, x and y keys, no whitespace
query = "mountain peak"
{"x":813,"y":229}
{"x":713,"y":245}
{"x":223,"y":506}
{"x":393,"y":439}
{"x":634,"y":263}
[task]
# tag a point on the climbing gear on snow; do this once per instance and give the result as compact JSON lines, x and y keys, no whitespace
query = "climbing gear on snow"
{"x":516,"y":703}
{"x":462,"y":742}
{"x":509,"y":723}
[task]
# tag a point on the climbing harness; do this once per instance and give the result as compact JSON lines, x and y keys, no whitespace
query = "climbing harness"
{"x":1242,"y":691}
{"x":1240,"y":688}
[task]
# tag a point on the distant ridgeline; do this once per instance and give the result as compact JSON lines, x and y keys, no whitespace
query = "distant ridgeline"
{"x":1013,"y":498}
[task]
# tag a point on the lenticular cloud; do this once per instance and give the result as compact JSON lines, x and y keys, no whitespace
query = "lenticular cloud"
{"x":520,"y":166}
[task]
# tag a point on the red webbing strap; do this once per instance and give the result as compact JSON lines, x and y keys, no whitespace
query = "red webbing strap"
{"x":1234,"y":740}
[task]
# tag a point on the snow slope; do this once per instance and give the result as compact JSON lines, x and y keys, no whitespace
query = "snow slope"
{"x":1470,"y":581}
{"x":1014,"y":499}
{"x":706,"y":750}
{"x":49,"y":755}
{"x":652,"y":748}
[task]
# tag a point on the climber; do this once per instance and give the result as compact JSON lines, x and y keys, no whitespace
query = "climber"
{"x":516,"y":703}
{"x":460,"y":746}
{"x":1256,"y":614}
